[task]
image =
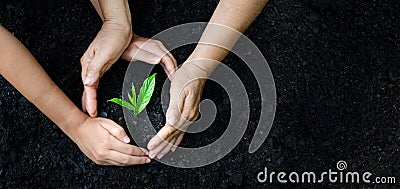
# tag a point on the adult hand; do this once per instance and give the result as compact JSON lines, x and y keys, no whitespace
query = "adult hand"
{"x":106,"y":143}
{"x":140,"y":48}
{"x":103,"y":52}
{"x":150,"y":51}
{"x":185,"y":95}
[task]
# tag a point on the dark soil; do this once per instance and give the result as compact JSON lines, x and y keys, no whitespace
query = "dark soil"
{"x":336,"y":66}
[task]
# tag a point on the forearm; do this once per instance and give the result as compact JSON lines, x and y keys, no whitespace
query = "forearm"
{"x":230,"y":19}
{"x":115,"y":11}
{"x":20,"y":68}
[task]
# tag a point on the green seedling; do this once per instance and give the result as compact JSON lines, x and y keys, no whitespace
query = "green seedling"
{"x":138,"y":104}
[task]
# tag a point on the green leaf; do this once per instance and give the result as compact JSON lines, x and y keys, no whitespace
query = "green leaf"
{"x":122,"y":103}
{"x":146,"y":91}
{"x":132,"y":97}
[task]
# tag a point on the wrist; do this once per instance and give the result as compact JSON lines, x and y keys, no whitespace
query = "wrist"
{"x":71,"y":121}
{"x":59,"y":108}
{"x":74,"y":122}
{"x":124,"y":27}
{"x":202,"y":63}
{"x":207,"y":56}
{"x":117,"y":14}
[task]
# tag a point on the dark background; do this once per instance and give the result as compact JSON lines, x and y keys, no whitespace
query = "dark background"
{"x":336,"y":66}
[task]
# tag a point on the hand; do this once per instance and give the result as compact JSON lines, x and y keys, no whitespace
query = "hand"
{"x":140,"y":48}
{"x":150,"y":51}
{"x":185,"y":95}
{"x":106,"y":143}
{"x":103,"y":52}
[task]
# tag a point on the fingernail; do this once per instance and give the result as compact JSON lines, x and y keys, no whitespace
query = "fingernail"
{"x":173,"y":149}
{"x":148,"y":160}
{"x":152,"y":155}
{"x":126,"y":139}
{"x":160,"y":156}
{"x":87,"y":80}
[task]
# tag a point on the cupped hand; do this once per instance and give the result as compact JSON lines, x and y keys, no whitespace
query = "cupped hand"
{"x":185,"y":96}
{"x":106,"y":143}
{"x":140,"y":48}
{"x":150,"y":51}
{"x":102,"y":53}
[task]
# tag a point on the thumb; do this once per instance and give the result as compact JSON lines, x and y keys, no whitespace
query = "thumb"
{"x":172,"y":115}
{"x":91,"y":100}
{"x":173,"y":112}
{"x":115,"y":130}
{"x":92,"y":73}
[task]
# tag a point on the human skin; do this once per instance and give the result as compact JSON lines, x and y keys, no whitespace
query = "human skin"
{"x":188,"y":81}
{"x":102,"y":140}
{"x":115,"y":40}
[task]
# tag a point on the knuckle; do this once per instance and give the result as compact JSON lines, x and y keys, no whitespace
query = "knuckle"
{"x":170,"y":131}
{"x":125,"y":160}
{"x":139,"y":161}
{"x":103,"y":143}
{"x":101,"y":154}
{"x":92,"y":67}
{"x":84,"y":60}
{"x":109,"y":56}
{"x":118,"y":130}
{"x":133,"y":49}
{"x":166,"y":59}
{"x":131,"y":151}
{"x":97,"y":162}
{"x":157,"y":42}
{"x":103,"y":146}
{"x":192,"y":115}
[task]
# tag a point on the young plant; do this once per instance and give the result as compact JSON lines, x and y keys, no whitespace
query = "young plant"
{"x":138,"y":104}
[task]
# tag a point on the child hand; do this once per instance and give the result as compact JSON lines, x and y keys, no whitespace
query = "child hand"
{"x":106,"y":143}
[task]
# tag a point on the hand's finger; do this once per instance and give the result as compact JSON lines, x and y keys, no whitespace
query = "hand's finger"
{"x":156,"y":151}
{"x":165,"y":132}
{"x":145,"y":56}
{"x":167,"y":148}
{"x":173,"y":116}
{"x":166,"y":71}
{"x":169,"y":61}
{"x":84,"y":101}
{"x":106,"y":163}
{"x":159,"y":50}
{"x":115,"y":130}
{"x":175,"y":106}
{"x":127,"y":160}
{"x":85,"y":61}
{"x":161,"y":45}
{"x":111,"y":163}
{"x":177,"y":142}
{"x":86,"y":58}
{"x":187,"y":114}
{"x":93,"y":70}
{"x":169,"y":67}
{"x":128,"y":149}
{"x":91,"y":100}
{"x":190,"y":110}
